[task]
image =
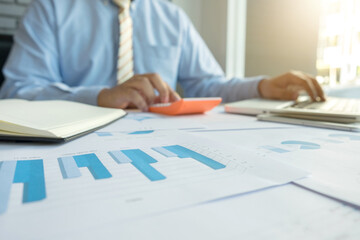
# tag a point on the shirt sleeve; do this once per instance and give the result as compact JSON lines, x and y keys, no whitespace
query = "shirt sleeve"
{"x":201,"y":76}
{"x":33,"y":70}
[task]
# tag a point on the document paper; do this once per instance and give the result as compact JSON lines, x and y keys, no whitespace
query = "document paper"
{"x":47,"y":191}
{"x":330,"y":156}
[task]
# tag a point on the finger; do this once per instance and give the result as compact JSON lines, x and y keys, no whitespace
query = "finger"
{"x":134,"y":97}
{"x":143,"y":85}
{"x":313,"y":91}
{"x":319,"y":89}
{"x":311,"y":81}
{"x":161,"y":86}
{"x":305,"y":83}
{"x":174,"y":96}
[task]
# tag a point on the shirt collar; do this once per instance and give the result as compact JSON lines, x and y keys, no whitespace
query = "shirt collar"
{"x":133,"y":3}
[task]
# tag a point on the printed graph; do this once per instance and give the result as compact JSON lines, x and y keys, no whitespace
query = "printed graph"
{"x":183,"y":152}
{"x":104,"y":134}
{"x":30,"y":173}
{"x":346,"y":136}
{"x":140,"y":161}
{"x":141,"y":132}
{"x":141,"y":116}
{"x":303,"y":145}
{"x":143,"y":162}
{"x":69,"y":166}
{"x":109,"y":134}
{"x":275,"y":149}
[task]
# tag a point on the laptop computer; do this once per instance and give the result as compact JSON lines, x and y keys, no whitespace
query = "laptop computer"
{"x":334,"y":113}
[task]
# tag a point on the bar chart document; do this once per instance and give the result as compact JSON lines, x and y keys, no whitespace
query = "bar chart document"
{"x":91,"y":182}
{"x":330,"y":156}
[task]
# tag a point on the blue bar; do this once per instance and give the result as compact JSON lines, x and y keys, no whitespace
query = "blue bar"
{"x":137,"y":117}
{"x":142,"y":161}
{"x":31,"y":173}
{"x":69,"y":167}
{"x":183,"y":152}
{"x":303,"y":145}
{"x":92,"y":162}
{"x":103,"y":134}
{"x":119,"y":157}
{"x":275,"y":149}
{"x":7,"y":172}
{"x":141,"y":132}
{"x":140,"y":119}
{"x":164,"y":152}
{"x":348,"y":136}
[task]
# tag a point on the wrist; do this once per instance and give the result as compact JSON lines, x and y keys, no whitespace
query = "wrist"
{"x":102,"y":98}
{"x":261,"y":87}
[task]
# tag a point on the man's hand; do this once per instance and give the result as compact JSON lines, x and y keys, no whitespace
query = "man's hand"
{"x":288,"y":86}
{"x":139,"y":91}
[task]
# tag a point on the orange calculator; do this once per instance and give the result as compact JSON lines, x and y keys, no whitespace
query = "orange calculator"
{"x":186,"y":106}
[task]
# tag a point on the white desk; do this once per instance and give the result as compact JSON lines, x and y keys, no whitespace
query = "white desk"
{"x":285,"y":212}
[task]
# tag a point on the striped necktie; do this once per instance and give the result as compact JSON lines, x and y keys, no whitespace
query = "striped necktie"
{"x":125,"y":64}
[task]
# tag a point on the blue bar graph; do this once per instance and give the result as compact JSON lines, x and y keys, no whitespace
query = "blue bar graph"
{"x":120,"y":157}
{"x":140,"y":116}
{"x":103,"y":134}
{"x":30,"y":173}
{"x":141,"y":132}
{"x":183,"y":152}
{"x":351,"y":137}
{"x":303,"y":145}
{"x":140,"y":160}
{"x":164,"y":152}
{"x":69,"y":166}
{"x":275,"y":149}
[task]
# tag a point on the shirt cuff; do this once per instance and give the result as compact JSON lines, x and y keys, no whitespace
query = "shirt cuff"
{"x":87,"y":95}
{"x":244,"y":88}
{"x":254,"y":86}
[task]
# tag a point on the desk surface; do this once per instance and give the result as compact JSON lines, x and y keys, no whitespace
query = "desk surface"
{"x":289,"y":211}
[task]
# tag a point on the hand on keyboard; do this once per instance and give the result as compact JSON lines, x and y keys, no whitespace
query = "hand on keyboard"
{"x":289,"y":85}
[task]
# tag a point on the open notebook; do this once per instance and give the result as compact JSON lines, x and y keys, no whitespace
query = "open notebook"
{"x":51,"y":121}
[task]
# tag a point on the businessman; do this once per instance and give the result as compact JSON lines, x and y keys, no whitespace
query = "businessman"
{"x":122,"y":53}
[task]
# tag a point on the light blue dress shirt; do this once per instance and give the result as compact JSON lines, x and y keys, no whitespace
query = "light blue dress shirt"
{"x":67,"y":49}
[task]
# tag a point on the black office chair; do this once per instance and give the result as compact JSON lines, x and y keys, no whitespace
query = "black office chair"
{"x":6,"y":42}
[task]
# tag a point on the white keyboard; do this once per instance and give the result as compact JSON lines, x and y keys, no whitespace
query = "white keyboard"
{"x":332,"y":105}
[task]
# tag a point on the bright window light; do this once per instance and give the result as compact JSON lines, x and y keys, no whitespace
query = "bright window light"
{"x":338,"y":60}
